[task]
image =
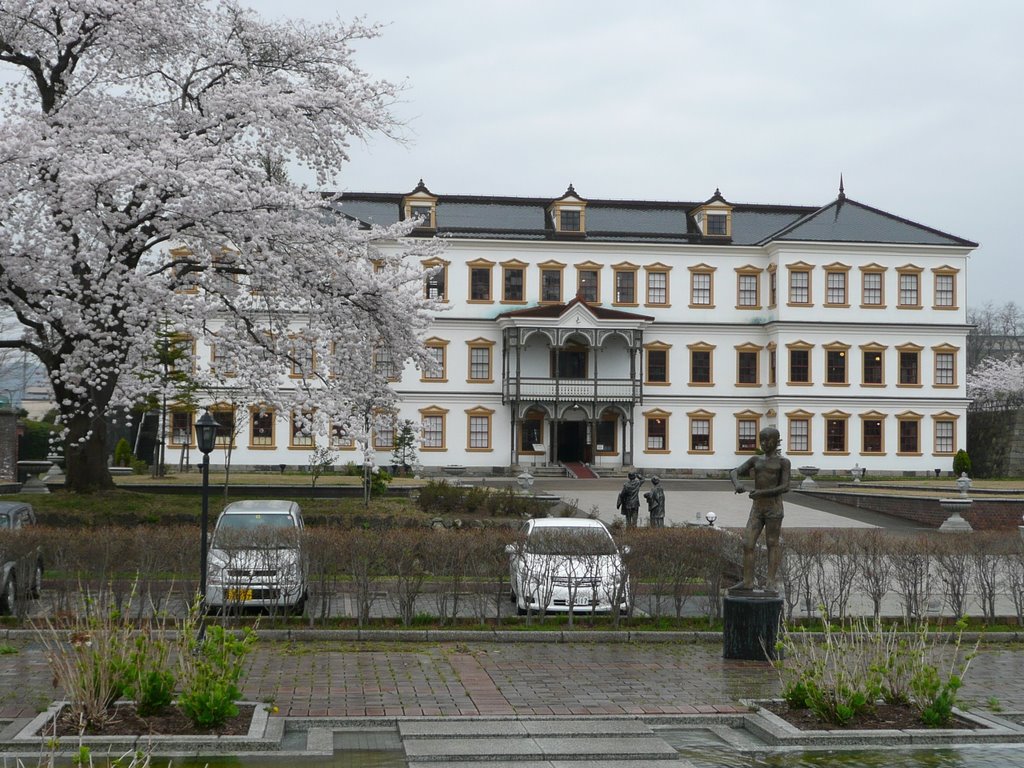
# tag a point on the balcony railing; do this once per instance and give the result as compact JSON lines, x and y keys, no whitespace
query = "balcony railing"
{"x":570,"y":390}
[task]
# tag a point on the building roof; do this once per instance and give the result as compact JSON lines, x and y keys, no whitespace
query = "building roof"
{"x":527,"y":218}
{"x":552,"y":311}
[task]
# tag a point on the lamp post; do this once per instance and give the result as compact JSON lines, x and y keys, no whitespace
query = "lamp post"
{"x":206,"y":436}
{"x":711,"y":517}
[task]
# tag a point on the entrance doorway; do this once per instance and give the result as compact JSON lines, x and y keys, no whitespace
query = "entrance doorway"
{"x":572,"y":441}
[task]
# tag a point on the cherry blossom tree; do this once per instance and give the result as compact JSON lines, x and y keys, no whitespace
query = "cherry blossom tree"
{"x":137,"y":152}
{"x":997,"y":383}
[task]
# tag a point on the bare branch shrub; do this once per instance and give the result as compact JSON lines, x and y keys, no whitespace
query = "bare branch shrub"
{"x":402,"y":550}
{"x":803,"y":548}
{"x":874,"y":573}
{"x":988,"y":554}
{"x":912,"y":574}
{"x":445,"y":560}
{"x":952,"y":569}
{"x":323,"y":548}
{"x":363,"y":562}
{"x":835,"y":569}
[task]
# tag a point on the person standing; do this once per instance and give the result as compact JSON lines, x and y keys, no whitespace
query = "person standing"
{"x":629,"y":499}
{"x":656,"y":503}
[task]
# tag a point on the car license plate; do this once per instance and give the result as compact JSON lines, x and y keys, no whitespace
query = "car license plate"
{"x":239,"y":594}
{"x":581,"y":600}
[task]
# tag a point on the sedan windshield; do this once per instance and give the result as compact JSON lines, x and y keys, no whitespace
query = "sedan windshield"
{"x":570,"y":541}
{"x":255,"y":531}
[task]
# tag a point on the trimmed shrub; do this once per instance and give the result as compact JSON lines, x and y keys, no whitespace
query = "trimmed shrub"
{"x":961,"y":463}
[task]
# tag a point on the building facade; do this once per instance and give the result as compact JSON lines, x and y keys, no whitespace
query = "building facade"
{"x":665,"y":335}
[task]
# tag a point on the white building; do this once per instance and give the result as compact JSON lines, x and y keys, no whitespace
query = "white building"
{"x":665,"y":335}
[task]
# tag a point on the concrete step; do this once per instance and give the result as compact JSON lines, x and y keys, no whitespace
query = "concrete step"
{"x":455,"y":750}
{"x":562,"y":728}
{"x":679,"y":763}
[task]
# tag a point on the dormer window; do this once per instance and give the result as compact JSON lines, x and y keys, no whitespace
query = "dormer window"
{"x":568,"y":213}
{"x":421,"y":204}
{"x":570,"y":220}
{"x":714,"y":217}
{"x":717,"y":224}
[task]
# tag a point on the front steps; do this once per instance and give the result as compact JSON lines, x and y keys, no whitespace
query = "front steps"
{"x":548,"y":743}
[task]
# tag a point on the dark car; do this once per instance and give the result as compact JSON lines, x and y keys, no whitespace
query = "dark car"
{"x":18,"y":565}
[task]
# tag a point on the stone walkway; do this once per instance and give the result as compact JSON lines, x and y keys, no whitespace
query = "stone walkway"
{"x":352,"y":679}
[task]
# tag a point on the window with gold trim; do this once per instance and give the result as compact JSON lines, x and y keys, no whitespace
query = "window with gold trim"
{"x":224,"y":415}
{"x":944,"y":433}
{"x":301,"y":433}
{"x":702,"y":287}
{"x":872,"y":372}
{"x":945,"y":365}
{"x":481,"y":272}
{"x":478,"y":429}
{"x":910,"y":365}
{"x":748,"y":287}
{"x":181,"y":432}
{"x":481,"y":369}
{"x":773,"y":286}
{"x":909,"y":433}
{"x":656,"y":431}
{"x":261,"y":428}
{"x":701,"y":364}
{"x":588,"y":282}
{"x":836,"y":283}
{"x":909,"y":279}
{"x":748,"y":365}
{"x":435,"y":283}
{"x":799,"y":432}
{"x":836,"y":423}
{"x":656,"y":369}
{"x":513,"y":282}
{"x":748,"y":425}
{"x":945,"y":288}
{"x":800,"y":284}
{"x":432,"y":425}
{"x":799,"y":363}
{"x":837,"y":364}
{"x":872,"y":433}
{"x":625,"y":284}
{"x":657,"y":277}
{"x":551,"y":282}
{"x":437,"y":350}
{"x":701,"y":431}
{"x":341,"y":440}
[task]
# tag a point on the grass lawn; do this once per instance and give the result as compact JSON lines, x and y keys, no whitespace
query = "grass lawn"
{"x":195,"y":477}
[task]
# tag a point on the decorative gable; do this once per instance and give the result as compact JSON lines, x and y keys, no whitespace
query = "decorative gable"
{"x":422,"y":204}
{"x":714,"y":217}
{"x":568,"y":214}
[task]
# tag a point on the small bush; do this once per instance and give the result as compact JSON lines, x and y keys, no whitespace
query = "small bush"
{"x":211,"y":669}
{"x":122,"y":453}
{"x":961,"y":463}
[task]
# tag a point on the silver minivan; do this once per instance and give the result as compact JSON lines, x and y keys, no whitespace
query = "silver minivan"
{"x":255,"y":558}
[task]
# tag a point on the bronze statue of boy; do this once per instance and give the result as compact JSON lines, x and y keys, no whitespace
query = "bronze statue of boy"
{"x":771,"y":480}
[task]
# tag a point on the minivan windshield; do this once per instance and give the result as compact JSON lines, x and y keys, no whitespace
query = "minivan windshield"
{"x":570,"y":541}
{"x":255,"y":531}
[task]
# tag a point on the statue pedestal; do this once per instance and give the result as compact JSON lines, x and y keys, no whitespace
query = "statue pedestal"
{"x":751,"y":626}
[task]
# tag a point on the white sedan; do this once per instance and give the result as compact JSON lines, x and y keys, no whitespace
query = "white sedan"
{"x":563,"y":564}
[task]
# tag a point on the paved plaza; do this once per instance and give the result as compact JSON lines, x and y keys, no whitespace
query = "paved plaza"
{"x":688,"y":501}
{"x":346,"y":678}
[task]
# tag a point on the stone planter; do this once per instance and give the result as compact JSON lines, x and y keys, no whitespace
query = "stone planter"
{"x":955,"y":523}
{"x":264,"y":735}
{"x":808,"y":474}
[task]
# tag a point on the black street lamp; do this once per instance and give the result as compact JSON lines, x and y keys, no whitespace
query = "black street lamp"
{"x":206,"y":436}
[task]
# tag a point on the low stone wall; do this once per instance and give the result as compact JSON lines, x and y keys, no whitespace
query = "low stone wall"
{"x":984,"y":514}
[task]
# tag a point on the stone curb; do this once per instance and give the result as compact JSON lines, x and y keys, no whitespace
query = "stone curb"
{"x":528,"y":636}
{"x":774,"y":730}
{"x":264,"y":736}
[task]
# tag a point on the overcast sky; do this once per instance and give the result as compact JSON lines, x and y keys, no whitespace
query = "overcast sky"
{"x":920,"y":105}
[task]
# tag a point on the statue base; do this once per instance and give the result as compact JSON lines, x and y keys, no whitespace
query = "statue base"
{"x":752,"y":622}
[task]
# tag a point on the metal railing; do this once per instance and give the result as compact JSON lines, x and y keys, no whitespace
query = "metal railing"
{"x":570,"y":390}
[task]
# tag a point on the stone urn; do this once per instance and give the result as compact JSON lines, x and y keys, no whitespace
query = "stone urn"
{"x":808,"y":474}
{"x":955,"y":522}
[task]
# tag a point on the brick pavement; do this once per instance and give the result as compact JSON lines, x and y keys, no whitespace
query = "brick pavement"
{"x":350,"y":679}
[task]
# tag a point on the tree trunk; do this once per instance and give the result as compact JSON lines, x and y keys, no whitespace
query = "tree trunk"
{"x":87,"y":469}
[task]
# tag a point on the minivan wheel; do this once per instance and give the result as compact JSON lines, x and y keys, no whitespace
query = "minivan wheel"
{"x":9,"y":596}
